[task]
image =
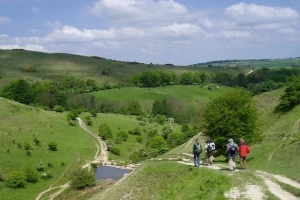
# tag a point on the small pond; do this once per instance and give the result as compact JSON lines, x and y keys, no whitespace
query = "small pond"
{"x":108,"y":172}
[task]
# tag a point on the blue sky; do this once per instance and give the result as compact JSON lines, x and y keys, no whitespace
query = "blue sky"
{"x":158,"y":31}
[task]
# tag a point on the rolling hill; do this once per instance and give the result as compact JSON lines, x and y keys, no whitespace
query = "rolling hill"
{"x":37,"y":66}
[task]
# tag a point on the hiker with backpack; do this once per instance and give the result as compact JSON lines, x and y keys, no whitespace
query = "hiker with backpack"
{"x":197,"y":150}
{"x":231,"y":151}
{"x":210,"y":147}
{"x":244,"y":151}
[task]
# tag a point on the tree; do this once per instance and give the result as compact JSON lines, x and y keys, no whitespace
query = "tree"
{"x":134,"y":108}
{"x":291,"y":96}
{"x":82,"y":178}
{"x":20,"y":91}
{"x":105,"y":132}
{"x":231,"y":115}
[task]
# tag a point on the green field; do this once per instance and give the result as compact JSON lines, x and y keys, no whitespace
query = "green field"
{"x":19,"y":124}
{"x":57,"y":66}
{"x":146,"y":96}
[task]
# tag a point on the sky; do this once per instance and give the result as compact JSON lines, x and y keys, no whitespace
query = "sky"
{"x":180,"y":32}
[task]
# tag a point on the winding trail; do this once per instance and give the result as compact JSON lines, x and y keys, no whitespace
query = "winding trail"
{"x":102,"y":158}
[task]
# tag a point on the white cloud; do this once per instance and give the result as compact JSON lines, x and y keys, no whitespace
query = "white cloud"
{"x":27,"y":47}
{"x":141,"y":12}
{"x":33,"y":30}
{"x":235,"y":34}
{"x":287,"y":31}
{"x":35,"y":9}
{"x":4,"y":20}
{"x":53,"y":24}
{"x":259,"y":14}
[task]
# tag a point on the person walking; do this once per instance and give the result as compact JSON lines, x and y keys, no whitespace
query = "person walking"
{"x":197,"y":150}
{"x":244,"y":151}
{"x":210,"y":147}
{"x":231,"y":151}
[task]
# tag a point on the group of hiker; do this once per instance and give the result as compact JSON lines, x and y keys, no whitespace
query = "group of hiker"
{"x":232,"y":151}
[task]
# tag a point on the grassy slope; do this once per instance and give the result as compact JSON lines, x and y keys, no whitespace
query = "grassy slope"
{"x":20,"y":122}
{"x":188,"y":94}
{"x":169,"y":180}
{"x":57,"y":66}
{"x":278,"y":152}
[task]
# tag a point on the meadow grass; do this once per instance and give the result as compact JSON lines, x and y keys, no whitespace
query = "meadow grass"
{"x":170,"y":180}
{"x":289,"y":188}
{"x":20,"y":124}
{"x":191,"y":95}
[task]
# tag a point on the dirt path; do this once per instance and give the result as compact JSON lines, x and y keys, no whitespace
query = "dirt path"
{"x":51,"y":186}
{"x":249,"y":72}
{"x":102,"y":158}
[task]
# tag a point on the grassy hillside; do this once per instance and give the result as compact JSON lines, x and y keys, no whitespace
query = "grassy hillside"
{"x":19,"y":124}
{"x":287,"y":62}
{"x":169,"y":180}
{"x":278,"y":152}
{"x":188,"y":94}
{"x":14,"y":63}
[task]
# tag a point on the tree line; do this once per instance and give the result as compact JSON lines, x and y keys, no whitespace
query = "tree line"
{"x":261,"y":80}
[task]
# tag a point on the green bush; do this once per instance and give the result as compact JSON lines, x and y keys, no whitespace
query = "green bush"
{"x":139,"y":139}
{"x":37,"y":141}
{"x":73,"y":115}
{"x":59,"y":108}
{"x":27,"y":146}
{"x":160,"y":119}
{"x":82,"y":178}
{"x":29,"y":152}
{"x":31,"y":175}
{"x":52,"y":146}
{"x":16,"y":179}
{"x":135,"y":131}
{"x":40,"y":166}
{"x":46,"y":175}
{"x":105,"y":132}
{"x":115,"y":150}
{"x":94,"y":113}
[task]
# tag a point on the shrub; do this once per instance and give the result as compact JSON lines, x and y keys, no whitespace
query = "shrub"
{"x":16,"y":179}
{"x":27,"y":146}
{"x":59,"y":108}
{"x":122,"y":135}
{"x":73,"y":115}
{"x":40,"y":166}
{"x":82,"y":178}
{"x":94,"y":113}
{"x":135,"y":157}
{"x":115,"y":150}
{"x":71,"y":123}
{"x":50,"y":165}
{"x":95,"y":165}
{"x":19,"y":145}
{"x":46,"y":175}
{"x":63,"y":164}
{"x":139,"y":139}
{"x":37,"y":141}
{"x":29,"y":152}
{"x":160,"y":119}
{"x":142,"y":123}
{"x":105,"y":132}
{"x":31,"y":175}
{"x":89,"y":122}
{"x":135,"y":131}
{"x":52,"y":146}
